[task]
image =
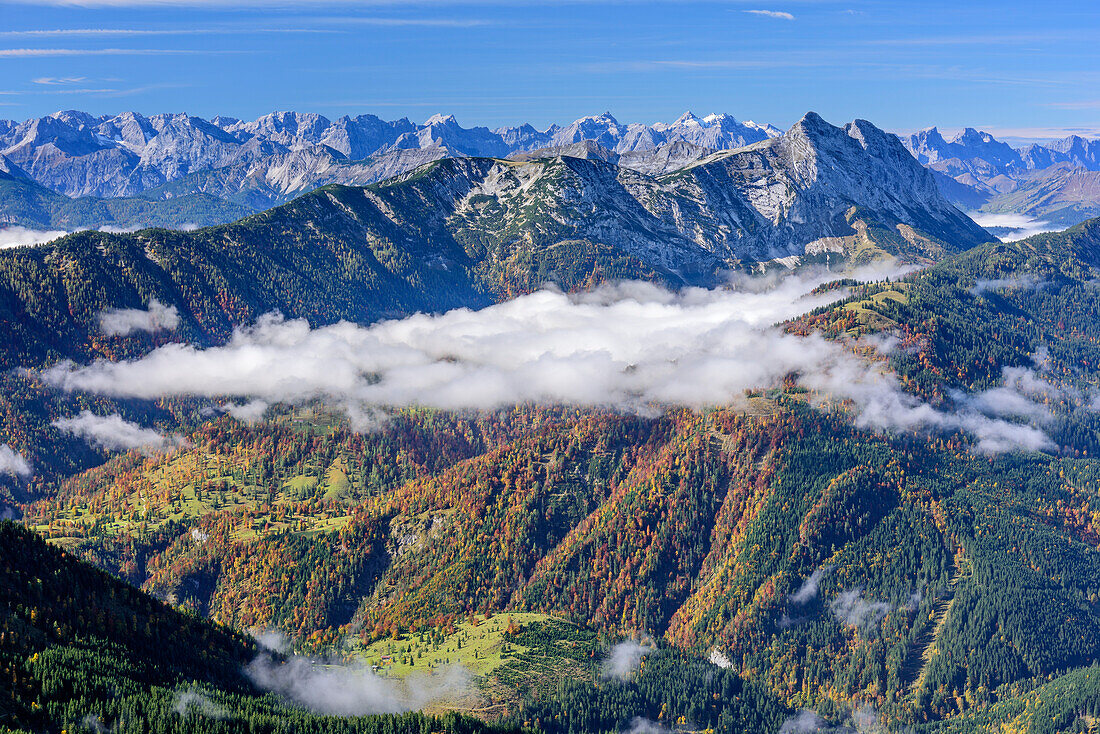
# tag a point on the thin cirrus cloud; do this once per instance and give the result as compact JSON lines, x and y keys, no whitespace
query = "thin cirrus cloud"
{"x":1082,"y":104}
{"x":52,"y":87}
{"x":48,"y":52}
{"x":689,"y":65}
{"x":977,"y":39}
{"x":114,"y":91}
{"x":400,"y":22}
{"x":53,"y":81}
{"x":124,"y":32}
{"x":777,"y":14}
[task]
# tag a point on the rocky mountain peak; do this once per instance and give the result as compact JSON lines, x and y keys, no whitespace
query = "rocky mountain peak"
{"x":440,"y":119}
{"x":688,"y":118}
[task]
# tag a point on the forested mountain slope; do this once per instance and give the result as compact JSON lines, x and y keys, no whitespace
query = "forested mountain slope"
{"x":456,"y":233}
{"x":28,"y":204}
{"x":80,"y":650}
{"x":831,"y":565}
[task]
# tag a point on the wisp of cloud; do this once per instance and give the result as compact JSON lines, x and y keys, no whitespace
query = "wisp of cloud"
{"x":852,"y":609}
{"x":808,"y":590}
{"x":624,"y":659}
{"x":125,"y":321}
{"x":113,"y":432}
{"x":1020,"y":226}
{"x":13,"y":464}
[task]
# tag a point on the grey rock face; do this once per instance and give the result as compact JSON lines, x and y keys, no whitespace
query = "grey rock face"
{"x":812,"y":189}
{"x":284,"y":154}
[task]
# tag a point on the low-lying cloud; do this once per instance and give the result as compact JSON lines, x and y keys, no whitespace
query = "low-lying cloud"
{"x":804,"y":722}
{"x":353,"y":690}
{"x":1023,"y":394}
{"x":808,"y":590}
{"x":1026,"y":281}
{"x":860,"y":720}
{"x":16,"y":236}
{"x":113,"y":432}
{"x":193,"y":701}
{"x":13,"y":464}
{"x":125,"y":321}
{"x":806,"y":593}
{"x":1019,"y":226}
{"x":250,"y":412}
{"x":624,"y":659}
{"x":642,"y":725}
{"x":23,"y":237}
{"x":272,"y":639}
{"x":852,"y":609}
{"x":632,"y":347}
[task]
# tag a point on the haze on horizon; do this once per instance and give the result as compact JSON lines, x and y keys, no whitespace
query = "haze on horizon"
{"x":1020,"y":70}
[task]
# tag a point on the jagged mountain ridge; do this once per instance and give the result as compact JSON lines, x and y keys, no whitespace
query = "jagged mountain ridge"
{"x":976,"y":171}
{"x":986,"y":153}
{"x":793,"y":195}
{"x":285,"y":153}
{"x":261,"y":163}
{"x":470,"y":231}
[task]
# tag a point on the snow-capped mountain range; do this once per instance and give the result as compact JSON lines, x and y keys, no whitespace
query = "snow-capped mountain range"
{"x":815,"y":193}
{"x":1058,"y":182}
{"x":268,"y":160}
{"x":256,"y":164}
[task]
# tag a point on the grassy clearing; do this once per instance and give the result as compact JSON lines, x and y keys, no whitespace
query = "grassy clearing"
{"x":508,"y":656}
{"x":868,"y":309}
{"x":480,"y":647}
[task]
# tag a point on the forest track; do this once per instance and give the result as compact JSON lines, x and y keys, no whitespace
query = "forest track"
{"x":916,"y":665}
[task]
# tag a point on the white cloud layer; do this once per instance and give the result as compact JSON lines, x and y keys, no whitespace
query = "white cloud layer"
{"x":124,"y":321}
{"x":23,"y":237}
{"x":113,"y":432}
{"x":1020,"y":225}
{"x":631,"y":347}
{"x":16,"y":236}
{"x":13,"y":464}
{"x":353,"y":690}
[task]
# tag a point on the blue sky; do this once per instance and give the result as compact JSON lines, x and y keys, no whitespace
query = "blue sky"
{"x":1019,"y":69}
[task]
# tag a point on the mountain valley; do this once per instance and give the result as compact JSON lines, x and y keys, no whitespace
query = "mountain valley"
{"x":826,"y":457}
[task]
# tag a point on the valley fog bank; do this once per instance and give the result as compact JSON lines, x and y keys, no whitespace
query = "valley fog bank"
{"x":631,"y":346}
